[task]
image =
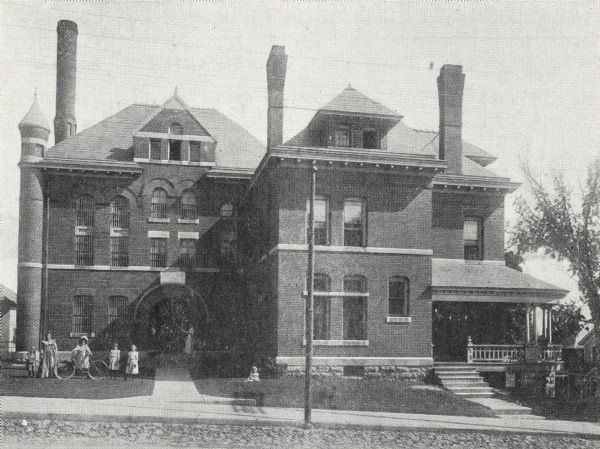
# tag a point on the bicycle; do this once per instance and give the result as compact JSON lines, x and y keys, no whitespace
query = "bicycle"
{"x":68,"y":368}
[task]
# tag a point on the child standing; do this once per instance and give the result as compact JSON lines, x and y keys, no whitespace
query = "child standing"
{"x":114,"y":361}
{"x":33,"y":362}
{"x":132,"y":362}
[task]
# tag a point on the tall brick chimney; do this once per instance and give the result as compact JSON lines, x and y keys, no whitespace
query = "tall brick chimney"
{"x":65,"y":124}
{"x":451,"y":84}
{"x":276,"y":67}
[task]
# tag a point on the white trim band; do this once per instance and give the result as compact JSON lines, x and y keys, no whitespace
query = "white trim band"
{"x":56,"y":266}
{"x":159,"y":234}
{"x":338,"y":342}
{"x":345,"y":361}
{"x":352,"y":249}
{"x":30,"y":265}
{"x":188,"y":235}
{"x":399,"y":319}
{"x":169,"y":136}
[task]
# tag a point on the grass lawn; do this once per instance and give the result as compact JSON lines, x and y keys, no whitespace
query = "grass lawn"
{"x":14,"y":382}
{"x":348,"y":394}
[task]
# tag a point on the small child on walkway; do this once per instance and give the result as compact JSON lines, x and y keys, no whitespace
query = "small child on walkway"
{"x":33,"y":362}
{"x":114,"y":361}
{"x":133,"y":357}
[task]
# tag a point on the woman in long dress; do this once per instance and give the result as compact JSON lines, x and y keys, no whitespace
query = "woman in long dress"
{"x":133,"y":357}
{"x":81,"y":354}
{"x":50,"y":358}
{"x":114,"y":361}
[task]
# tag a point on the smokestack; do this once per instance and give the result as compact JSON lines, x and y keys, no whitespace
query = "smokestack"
{"x":276,"y":67}
{"x":451,"y":84}
{"x":65,"y":124}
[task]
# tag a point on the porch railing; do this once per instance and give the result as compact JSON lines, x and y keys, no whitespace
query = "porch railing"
{"x":511,"y":353}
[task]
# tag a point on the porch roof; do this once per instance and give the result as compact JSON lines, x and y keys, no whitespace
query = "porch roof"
{"x":488,"y":281}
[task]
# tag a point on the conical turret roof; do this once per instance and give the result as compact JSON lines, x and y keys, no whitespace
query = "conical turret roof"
{"x":35,"y":116}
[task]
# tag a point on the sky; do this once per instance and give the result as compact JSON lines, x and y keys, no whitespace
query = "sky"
{"x":532,"y":90}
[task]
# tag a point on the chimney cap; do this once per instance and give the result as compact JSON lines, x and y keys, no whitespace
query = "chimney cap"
{"x":451,"y":69}
{"x":35,"y":116}
{"x":66,"y":25}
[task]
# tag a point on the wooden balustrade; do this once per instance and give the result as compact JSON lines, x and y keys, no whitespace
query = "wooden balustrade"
{"x":508,"y":353}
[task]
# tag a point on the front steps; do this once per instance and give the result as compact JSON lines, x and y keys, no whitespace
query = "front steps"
{"x":463,"y":380}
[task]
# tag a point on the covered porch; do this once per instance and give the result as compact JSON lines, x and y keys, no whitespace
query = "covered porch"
{"x":485,"y":313}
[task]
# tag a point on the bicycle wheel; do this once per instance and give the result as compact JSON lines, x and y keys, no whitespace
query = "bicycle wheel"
{"x":65,"y":370}
{"x":98,"y":370}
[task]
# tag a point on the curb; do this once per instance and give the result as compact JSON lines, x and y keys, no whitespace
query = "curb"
{"x":278,"y":423}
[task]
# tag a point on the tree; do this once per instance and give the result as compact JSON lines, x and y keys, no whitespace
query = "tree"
{"x":567,"y":322}
{"x":565,"y":231}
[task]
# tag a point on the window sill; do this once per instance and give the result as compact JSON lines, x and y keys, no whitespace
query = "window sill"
{"x":338,"y":342}
{"x":338,"y":294}
{"x":188,"y":220}
{"x":399,"y":319}
{"x":82,"y":334}
{"x":159,"y":220}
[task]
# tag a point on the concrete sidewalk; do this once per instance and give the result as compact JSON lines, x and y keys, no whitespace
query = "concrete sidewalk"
{"x":145,"y":409}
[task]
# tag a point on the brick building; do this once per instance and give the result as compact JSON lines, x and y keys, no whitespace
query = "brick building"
{"x":165,"y":224}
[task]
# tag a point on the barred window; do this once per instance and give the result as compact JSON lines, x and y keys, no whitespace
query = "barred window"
{"x":119,"y":255}
{"x":159,"y":203}
{"x":188,"y":252}
{"x":84,"y":206}
{"x":117,"y":310}
{"x":84,"y":250}
{"x":119,"y":209}
{"x":189,"y":206}
{"x":158,"y":252}
{"x":82,"y":314}
{"x":398,"y":296}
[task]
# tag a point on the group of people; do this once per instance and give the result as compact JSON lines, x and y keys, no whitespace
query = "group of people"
{"x":80,"y":356}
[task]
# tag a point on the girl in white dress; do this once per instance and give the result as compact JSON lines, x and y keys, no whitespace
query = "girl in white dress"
{"x":114,"y":361}
{"x":132,"y":362}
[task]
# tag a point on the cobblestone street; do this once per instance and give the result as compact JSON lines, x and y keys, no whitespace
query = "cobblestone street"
{"x":100,"y":434}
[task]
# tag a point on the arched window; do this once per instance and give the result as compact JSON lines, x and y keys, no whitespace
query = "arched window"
{"x":189,"y":205}
{"x":355,"y":308}
{"x":176,"y":128}
{"x":119,"y":210}
{"x":398,"y":296}
{"x":84,"y":206}
{"x":159,"y":203}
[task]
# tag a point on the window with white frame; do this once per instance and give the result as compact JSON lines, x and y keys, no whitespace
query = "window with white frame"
{"x":354,"y":222}
{"x":155,"y":149}
{"x":398,"y":296}
{"x":321,"y":221}
{"x":472,"y":238}
{"x":82,"y":314}
{"x":321,"y":307}
{"x":159,"y":203}
{"x":355,"y":308}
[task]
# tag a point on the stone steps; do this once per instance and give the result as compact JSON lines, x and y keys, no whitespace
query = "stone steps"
{"x":463,"y":380}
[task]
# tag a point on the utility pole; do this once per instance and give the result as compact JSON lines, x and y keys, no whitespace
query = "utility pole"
{"x":310,"y":298}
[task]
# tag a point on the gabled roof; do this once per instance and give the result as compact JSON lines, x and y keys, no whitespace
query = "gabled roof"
{"x":458,"y":273}
{"x":351,"y":101}
{"x":111,"y":139}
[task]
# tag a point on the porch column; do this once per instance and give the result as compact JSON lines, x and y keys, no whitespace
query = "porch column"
{"x":550,"y":325}
{"x":527,"y":324}
{"x":535,"y":324}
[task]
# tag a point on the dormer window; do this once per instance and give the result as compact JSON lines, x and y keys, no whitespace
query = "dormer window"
{"x":342,"y":137}
{"x":369,"y":139}
{"x":155,"y":149}
{"x":174,"y":150}
{"x":176,"y":128}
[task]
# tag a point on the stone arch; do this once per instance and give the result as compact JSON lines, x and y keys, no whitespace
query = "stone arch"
{"x":186,"y":184}
{"x":141,"y":313}
{"x":159,"y":182}
{"x":134,"y":200}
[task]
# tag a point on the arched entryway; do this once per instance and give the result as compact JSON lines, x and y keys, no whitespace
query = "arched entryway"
{"x":170,"y":318}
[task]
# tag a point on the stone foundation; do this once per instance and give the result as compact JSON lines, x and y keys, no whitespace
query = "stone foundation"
{"x":406,"y":373}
